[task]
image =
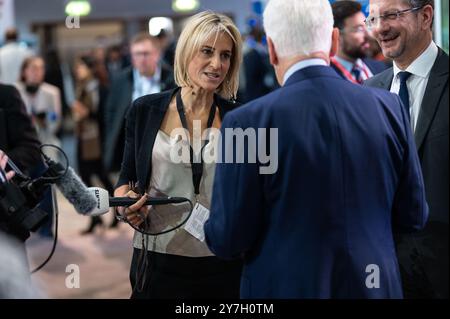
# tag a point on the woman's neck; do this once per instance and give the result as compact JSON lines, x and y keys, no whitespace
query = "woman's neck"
{"x":196,"y":100}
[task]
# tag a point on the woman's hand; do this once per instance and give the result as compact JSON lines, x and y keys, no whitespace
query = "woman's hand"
{"x":79,"y":111}
{"x":3,"y":161}
{"x":136,"y":213}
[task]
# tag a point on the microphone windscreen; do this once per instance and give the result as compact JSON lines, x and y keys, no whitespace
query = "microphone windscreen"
{"x":76,"y":192}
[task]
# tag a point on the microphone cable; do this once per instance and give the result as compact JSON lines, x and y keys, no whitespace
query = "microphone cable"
{"x":146,"y":225}
{"x":54,"y":203}
{"x":144,"y":266}
{"x":55,"y":239}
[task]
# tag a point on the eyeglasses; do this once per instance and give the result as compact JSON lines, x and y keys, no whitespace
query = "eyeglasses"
{"x":373,"y":21}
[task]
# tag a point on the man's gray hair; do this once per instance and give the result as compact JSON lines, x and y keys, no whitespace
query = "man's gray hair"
{"x":299,"y":27}
{"x":421,"y":4}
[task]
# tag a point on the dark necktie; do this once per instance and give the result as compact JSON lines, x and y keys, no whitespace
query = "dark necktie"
{"x":403,"y":93}
{"x":356,"y":72}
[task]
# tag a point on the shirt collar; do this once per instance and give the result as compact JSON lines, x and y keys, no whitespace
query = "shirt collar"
{"x":302,"y":65}
{"x":423,"y":64}
{"x":350,"y":65}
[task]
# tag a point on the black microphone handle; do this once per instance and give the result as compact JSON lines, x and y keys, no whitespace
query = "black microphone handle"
{"x":126,"y":201}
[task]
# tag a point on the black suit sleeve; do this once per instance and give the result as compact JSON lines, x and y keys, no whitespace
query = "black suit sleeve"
{"x":22,"y":144}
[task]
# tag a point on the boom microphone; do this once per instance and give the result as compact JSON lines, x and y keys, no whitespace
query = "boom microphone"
{"x":76,"y":192}
{"x":67,"y":181}
{"x":104,"y":202}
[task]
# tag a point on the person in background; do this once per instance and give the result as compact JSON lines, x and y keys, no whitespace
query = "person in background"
{"x":54,"y":76}
{"x":147,"y":75}
{"x":376,"y":53}
{"x":42,"y":100}
{"x":168,"y":45}
{"x":259,"y":76}
{"x":12,"y":54}
{"x":43,"y":104}
{"x":351,"y":61}
{"x":115,"y":62}
{"x":98,"y":54}
{"x":404,"y":30}
{"x":86,"y":111}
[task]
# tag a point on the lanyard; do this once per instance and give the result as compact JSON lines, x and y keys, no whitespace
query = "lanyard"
{"x":347,"y":74}
{"x":197,"y":167}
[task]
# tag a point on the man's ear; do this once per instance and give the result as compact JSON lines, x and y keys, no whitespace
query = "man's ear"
{"x":427,"y":16}
{"x":334,"y":42}
{"x":272,"y":53}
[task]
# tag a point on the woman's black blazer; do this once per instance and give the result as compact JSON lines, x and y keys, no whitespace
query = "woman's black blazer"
{"x":142,"y":124}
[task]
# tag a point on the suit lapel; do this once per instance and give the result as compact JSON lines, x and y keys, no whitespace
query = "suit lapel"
{"x":385,"y":79}
{"x":144,"y":152}
{"x":435,"y":87}
{"x":154,"y":121}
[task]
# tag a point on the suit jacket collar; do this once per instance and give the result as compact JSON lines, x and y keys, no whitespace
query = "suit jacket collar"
{"x":312,"y":72}
{"x":154,"y":120}
{"x":384,"y":79}
{"x":437,"y":84}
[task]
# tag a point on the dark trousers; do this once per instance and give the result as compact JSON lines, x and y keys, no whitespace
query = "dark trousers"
{"x":178,"y":277}
{"x":423,"y":260}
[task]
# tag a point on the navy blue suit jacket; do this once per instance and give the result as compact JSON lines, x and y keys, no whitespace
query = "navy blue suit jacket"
{"x":347,"y":173}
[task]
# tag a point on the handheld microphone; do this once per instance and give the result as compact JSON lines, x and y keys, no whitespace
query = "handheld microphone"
{"x":104,"y":202}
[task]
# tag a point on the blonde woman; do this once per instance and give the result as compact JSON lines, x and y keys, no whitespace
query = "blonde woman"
{"x":178,"y":264}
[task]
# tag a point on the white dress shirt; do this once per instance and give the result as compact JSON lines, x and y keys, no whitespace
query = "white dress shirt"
{"x":417,"y":83}
{"x":146,"y":85}
{"x":365,"y":71}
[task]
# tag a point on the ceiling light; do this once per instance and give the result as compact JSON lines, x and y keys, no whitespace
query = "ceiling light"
{"x":78,"y":8}
{"x":185,"y":5}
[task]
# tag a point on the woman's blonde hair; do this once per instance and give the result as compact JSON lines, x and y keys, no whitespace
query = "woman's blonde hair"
{"x":197,"y":31}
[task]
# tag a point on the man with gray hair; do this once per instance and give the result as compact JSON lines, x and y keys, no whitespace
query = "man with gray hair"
{"x":404,"y":29}
{"x":321,"y":225}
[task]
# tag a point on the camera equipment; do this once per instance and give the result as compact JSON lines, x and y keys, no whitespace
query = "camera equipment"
{"x":19,"y":197}
{"x":18,"y":201}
